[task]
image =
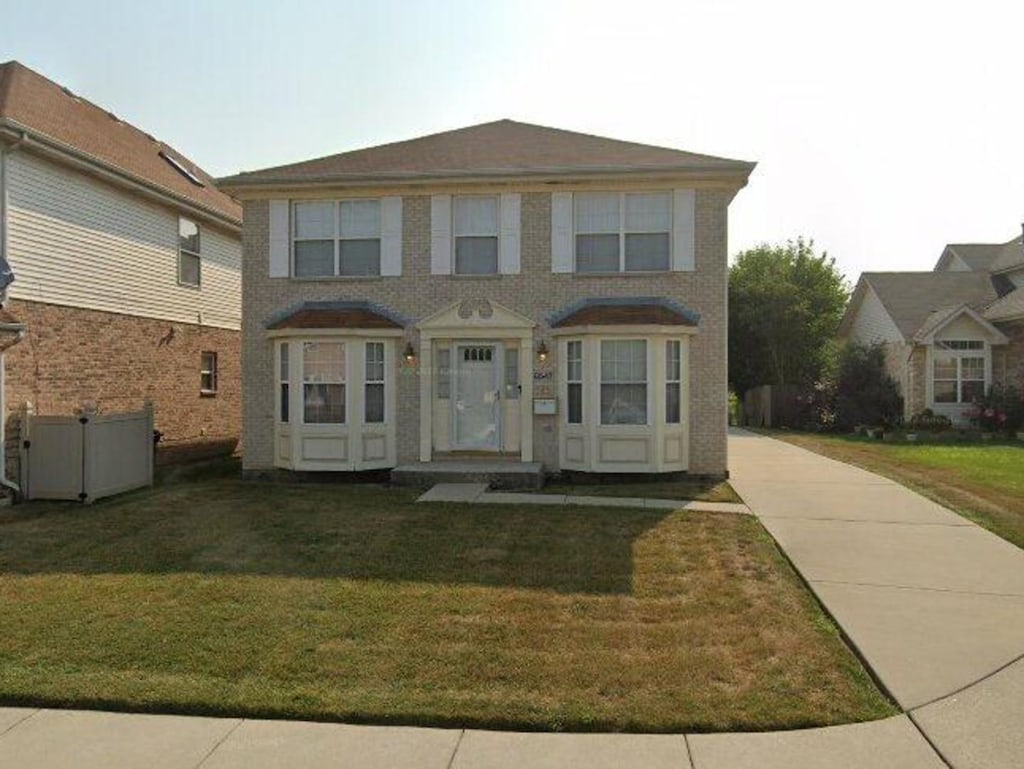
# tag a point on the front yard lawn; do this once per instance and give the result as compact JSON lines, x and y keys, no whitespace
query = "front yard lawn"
{"x":344,"y":602}
{"x":982,"y":481}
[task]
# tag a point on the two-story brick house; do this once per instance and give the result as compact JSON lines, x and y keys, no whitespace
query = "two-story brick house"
{"x":500,"y":290}
{"x":127,"y":265}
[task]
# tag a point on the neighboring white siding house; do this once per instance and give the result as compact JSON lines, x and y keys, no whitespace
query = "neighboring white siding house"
{"x":125,"y":249}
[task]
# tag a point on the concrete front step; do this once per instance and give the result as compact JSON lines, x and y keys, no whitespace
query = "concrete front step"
{"x":496,"y":474}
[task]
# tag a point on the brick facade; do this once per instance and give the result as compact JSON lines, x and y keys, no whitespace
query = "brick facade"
{"x":72,"y":357}
{"x":535,"y":292}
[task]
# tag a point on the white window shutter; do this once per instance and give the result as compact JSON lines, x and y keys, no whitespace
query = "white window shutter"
{"x":683,"y":230}
{"x":508,"y":244}
{"x":280,"y":239}
{"x":561,"y":232}
{"x":391,"y":236}
{"x":441,"y":234}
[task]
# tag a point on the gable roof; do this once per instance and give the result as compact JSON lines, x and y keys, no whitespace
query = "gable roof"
{"x":1008,"y":307}
{"x":1010,"y":255}
{"x":54,"y":117}
{"x":939,"y":319}
{"x":500,"y":148}
{"x":912,"y":298}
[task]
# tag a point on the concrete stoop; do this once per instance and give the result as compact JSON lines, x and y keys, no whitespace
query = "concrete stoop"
{"x":497,"y":475}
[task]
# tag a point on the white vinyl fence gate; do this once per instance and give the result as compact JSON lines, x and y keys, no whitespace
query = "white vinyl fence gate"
{"x":86,"y":457}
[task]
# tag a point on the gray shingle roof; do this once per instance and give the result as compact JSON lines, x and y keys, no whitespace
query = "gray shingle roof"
{"x":1007,"y":307}
{"x":1010,"y":255}
{"x":504,"y":147}
{"x":912,"y":298}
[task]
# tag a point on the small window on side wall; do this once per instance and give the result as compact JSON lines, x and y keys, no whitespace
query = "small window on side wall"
{"x":208,"y":373}
{"x":189,"y":263}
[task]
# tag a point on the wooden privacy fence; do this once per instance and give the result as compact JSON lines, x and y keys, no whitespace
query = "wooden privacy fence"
{"x":86,"y":457}
{"x":771,"y":406}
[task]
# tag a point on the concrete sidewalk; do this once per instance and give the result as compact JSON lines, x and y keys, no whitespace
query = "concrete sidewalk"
{"x":932,"y":602}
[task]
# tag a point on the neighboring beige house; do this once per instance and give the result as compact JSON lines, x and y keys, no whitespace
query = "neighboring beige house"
{"x":503,"y":290}
{"x":127,"y":272}
{"x":950,"y":334}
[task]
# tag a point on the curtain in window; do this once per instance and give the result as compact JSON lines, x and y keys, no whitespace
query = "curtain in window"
{"x":624,"y":382}
{"x":323,"y":377}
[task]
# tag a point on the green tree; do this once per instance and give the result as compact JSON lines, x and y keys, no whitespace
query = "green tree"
{"x":785,"y":304}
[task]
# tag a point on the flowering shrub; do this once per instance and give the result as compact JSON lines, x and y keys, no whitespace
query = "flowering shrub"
{"x":1001,"y":410}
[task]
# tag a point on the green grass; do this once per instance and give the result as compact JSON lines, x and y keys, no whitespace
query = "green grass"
{"x":690,"y":488}
{"x":982,"y":481}
{"x":210,"y":595}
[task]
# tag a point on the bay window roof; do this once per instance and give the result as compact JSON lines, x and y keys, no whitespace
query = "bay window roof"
{"x":620,"y":311}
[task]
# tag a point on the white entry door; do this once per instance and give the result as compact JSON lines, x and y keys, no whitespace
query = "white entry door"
{"x":476,"y":397}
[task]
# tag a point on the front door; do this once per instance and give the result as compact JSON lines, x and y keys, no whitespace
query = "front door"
{"x":476,"y":397}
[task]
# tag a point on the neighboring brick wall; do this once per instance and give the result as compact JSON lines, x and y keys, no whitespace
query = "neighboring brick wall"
{"x":915,"y":398}
{"x":1008,"y":365}
{"x":71,"y":356}
{"x":535,"y":292}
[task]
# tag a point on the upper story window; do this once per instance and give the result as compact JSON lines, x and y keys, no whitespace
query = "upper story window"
{"x":336,"y":238}
{"x":623,"y":232}
{"x":475,"y":229}
{"x":958,"y":371}
{"x":188,"y":252}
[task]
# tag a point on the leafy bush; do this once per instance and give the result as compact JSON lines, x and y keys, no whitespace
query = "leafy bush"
{"x":1001,"y":410}
{"x":864,"y":391}
{"x":929,"y":420}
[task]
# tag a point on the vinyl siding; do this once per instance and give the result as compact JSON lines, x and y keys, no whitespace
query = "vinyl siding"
{"x":872,"y":323}
{"x":80,"y":242}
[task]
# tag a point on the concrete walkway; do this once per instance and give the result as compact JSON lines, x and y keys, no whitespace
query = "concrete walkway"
{"x":479,"y":493}
{"x":933,"y":603}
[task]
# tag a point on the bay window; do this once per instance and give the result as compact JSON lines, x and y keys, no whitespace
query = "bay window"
{"x":574,"y":377}
{"x":282,"y":384}
{"x":673,"y":377}
{"x":623,"y":382}
{"x":323,"y":382}
{"x":373,"y":401}
{"x":623,"y":232}
{"x":958,"y":371}
{"x":336,"y":238}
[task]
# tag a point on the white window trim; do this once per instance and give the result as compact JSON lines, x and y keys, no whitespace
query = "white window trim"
{"x":282,"y":346}
{"x":197,"y":255}
{"x":455,"y":235}
{"x":933,"y":351}
{"x":346,"y":352}
{"x":211,"y":371}
{"x":336,"y":238}
{"x":623,"y":232}
{"x":580,"y":381}
{"x":648,"y":395}
{"x":676,"y":380}
{"x":385,"y":361}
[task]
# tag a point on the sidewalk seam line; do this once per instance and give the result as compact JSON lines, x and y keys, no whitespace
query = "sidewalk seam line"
{"x":689,"y":753}
{"x":20,"y":721}
{"x":219,"y":742}
{"x":455,"y":750}
{"x":932,"y":745}
{"x":917,"y":587}
{"x":965,"y":687}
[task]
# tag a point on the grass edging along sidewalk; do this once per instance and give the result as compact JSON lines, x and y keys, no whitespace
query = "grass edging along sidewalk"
{"x":984,"y":482}
{"x":619,"y":486}
{"x":353,"y":603}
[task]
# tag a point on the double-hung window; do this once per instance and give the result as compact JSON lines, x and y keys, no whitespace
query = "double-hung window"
{"x":373,"y":401}
{"x":189,"y":263}
{"x":623,"y":382}
{"x":958,"y":371}
{"x":623,"y":232}
{"x":323,"y":382}
{"x":574,"y":379}
{"x":208,"y":373}
{"x":282,"y":383}
{"x":673,"y":381}
{"x":475,"y":229}
{"x":336,"y":238}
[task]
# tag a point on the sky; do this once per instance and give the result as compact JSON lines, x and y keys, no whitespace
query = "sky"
{"x":882,"y":130}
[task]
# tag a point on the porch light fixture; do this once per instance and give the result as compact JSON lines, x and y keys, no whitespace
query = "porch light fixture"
{"x":410,"y":353}
{"x":542,"y":352}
